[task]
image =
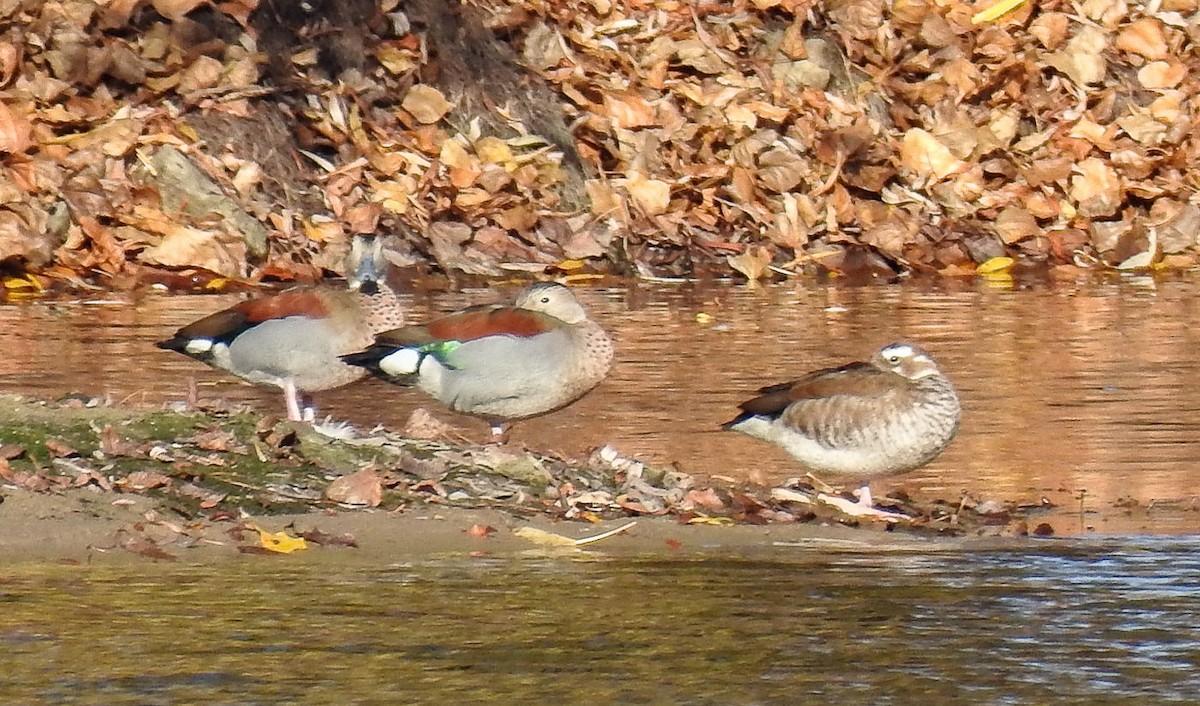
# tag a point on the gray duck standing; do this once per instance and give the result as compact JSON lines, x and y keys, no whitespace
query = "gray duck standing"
{"x":293,"y":340}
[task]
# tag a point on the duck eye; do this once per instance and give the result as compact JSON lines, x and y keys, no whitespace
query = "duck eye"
{"x":545,"y":300}
{"x":893,"y":359}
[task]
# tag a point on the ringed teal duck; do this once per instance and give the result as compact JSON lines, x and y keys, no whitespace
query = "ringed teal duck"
{"x":499,"y":362}
{"x":863,"y":420}
{"x":293,"y":340}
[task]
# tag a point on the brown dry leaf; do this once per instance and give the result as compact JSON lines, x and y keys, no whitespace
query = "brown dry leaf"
{"x":705,"y":498}
{"x":9,"y":452}
{"x":422,"y":424}
{"x":1144,"y":37}
{"x":1050,"y":29}
{"x":111,"y":443}
{"x":1158,"y":75}
{"x":60,"y":449}
{"x":629,"y":110}
{"x":544,"y":47}
{"x":208,"y":498}
{"x":480,"y":531}
{"x":780,"y":170}
{"x":363,"y":218}
{"x":15,"y":130}
{"x":1015,"y":223}
{"x":10,"y":59}
{"x":216,"y":439}
{"x":204,"y":72}
{"x":752,"y":262}
{"x":1082,"y":60}
{"x":324,"y":539}
{"x":603,"y":197}
{"x":176,"y":9}
{"x":1095,"y":188}
{"x":138,"y":544}
{"x":426,"y":103}
{"x":922,"y":154}
{"x":361,"y":488}
{"x":140,"y":481}
{"x":184,"y":246}
{"x":652,"y":196}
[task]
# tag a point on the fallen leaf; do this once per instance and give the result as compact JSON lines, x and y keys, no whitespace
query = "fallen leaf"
{"x":995,"y":264}
{"x":140,"y":481}
{"x":325,"y":539}
{"x":60,"y":449}
{"x":1159,"y":75}
{"x":361,"y":488}
{"x":480,"y":531}
{"x":422,"y":424}
{"x":705,"y":498}
{"x":543,"y":538}
{"x":718,"y":521}
{"x":138,"y":544}
{"x":176,"y":9}
{"x":1144,"y":37}
{"x":426,"y":103}
{"x":752,"y":263}
{"x":550,"y":539}
{"x":15,"y":130}
{"x":279,"y":542}
{"x":922,"y":154}
{"x":1095,"y":188}
{"x":652,"y":196}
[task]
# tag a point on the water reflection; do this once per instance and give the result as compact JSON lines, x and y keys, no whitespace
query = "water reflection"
{"x":1081,"y":623}
{"x":1063,"y":388}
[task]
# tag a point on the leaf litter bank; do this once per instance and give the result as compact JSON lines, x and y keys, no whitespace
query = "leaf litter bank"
{"x":176,"y":140}
{"x":191,"y":478}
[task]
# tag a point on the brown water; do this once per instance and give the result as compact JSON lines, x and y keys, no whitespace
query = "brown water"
{"x":1079,"y":622}
{"x":1065,"y":389}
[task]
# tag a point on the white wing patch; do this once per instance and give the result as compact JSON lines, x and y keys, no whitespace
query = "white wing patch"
{"x":403,"y":362}
{"x":197,"y":346}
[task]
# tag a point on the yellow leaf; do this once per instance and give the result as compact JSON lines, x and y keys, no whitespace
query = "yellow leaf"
{"x":704,"y":319}
{"x":544,"y":538}
{"x":569,"y":265}
{"x":719,"y":521}
{"x":217,"y":283}
{"x":24,"y":282}
{"x":455,"y":156}
{"x":280,"y":541}
{"x":994,"y":265}
{"x":550,"y":539}
{"x":494,"y":150}
{"x":996,"y":11}
{"x":582,"y":277}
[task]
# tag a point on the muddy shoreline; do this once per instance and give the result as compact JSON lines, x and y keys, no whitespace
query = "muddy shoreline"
{"x":82,"y":481}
